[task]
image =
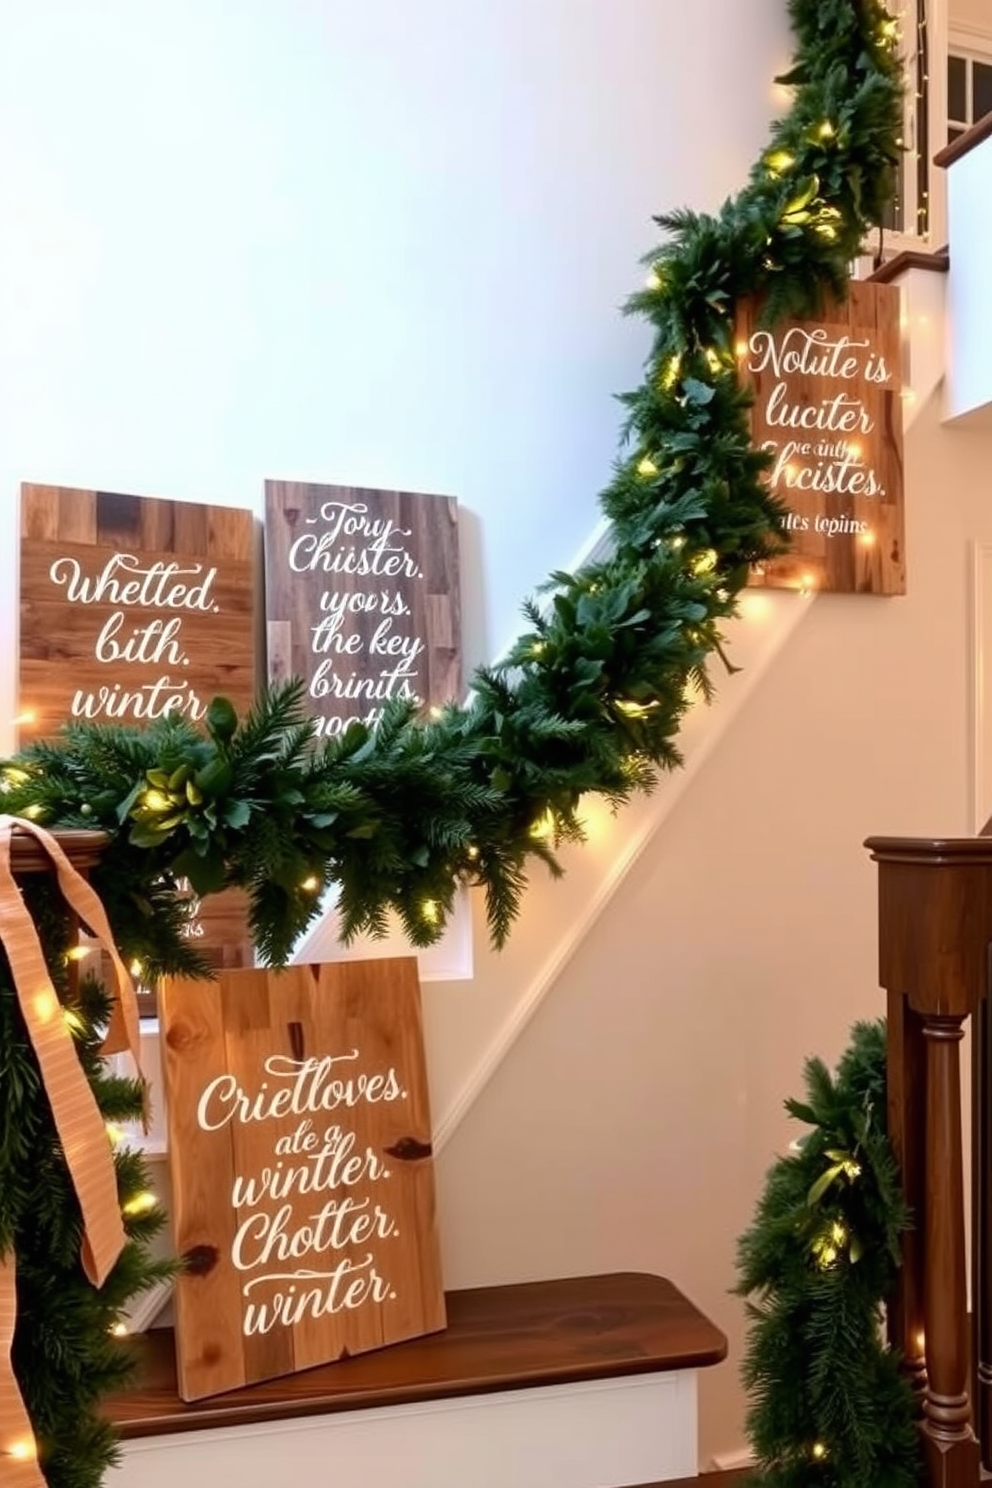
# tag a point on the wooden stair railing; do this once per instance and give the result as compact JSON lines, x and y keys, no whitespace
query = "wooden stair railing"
{"x":934,"y":930}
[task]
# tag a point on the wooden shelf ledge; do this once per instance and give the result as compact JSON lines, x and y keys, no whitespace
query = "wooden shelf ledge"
{"x":498,"y":1338}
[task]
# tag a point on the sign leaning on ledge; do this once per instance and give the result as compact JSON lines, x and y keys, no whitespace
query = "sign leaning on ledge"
{"x":302,"y":1169}
{"x":828,"y":405}
{"x":132,"y":607}
{"x":362,"y":598}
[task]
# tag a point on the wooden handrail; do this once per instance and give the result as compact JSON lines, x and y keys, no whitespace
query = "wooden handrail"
{"x":934,"y":930}
{"x":976,"y":135}
{"x":937,"y":262}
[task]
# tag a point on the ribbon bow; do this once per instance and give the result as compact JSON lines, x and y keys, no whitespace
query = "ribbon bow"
{"x":77,"y":1117}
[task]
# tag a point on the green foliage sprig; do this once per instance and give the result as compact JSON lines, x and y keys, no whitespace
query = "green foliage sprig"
{"x":829,"y":1408}
{"x":592,"y":696}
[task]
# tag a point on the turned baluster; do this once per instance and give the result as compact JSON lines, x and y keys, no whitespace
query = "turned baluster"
{"x":935,"y":925}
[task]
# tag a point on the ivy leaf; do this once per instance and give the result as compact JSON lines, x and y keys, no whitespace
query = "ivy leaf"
{"x":237,"y":814}
{"x":698,"y":393}
{"x":819,"y":1188}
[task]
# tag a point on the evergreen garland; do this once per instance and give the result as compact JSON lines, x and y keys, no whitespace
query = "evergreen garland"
{"x":829,"y":1408}
{"x":66,"y":1353}
{"x":590,"y":699}
{"x":592,"y":696}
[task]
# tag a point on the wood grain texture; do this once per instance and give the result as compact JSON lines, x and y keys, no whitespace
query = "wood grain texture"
{"x":934,"y":921}
{"x":362,"y":597}
{"x":527,"y":1335}
{"x":828,"y":404}
{"x":130,"y":604}
{"x":303,"y":1181}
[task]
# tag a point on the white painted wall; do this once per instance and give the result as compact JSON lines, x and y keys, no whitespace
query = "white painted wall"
{"x":969,"y":292}
{"x":633,"y":1123}
{"x":351,"y":240}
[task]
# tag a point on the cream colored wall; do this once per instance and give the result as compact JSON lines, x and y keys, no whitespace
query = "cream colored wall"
{"x":632,"y":1124}
{"x":971,"y":13}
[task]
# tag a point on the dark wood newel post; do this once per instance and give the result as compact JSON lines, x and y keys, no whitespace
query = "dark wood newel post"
{"x":934,"y":930}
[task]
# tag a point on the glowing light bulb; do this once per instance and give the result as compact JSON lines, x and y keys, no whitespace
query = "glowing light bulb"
{"x":779,"y":161}
{"x":136,"y":968}
{"x":28,"y":716}
{"x":647,"y":466}
{"x":119,"y":1330}
{"x":46,"y":1005}
{"x":671,"y":372}
{"x":819,"y":1451}
{"x":140,"y":1204}
{"x":22,"y":1451}
{"x":741,"y":348}
{"x":310,"y":885}
{"x":78,"y":952}
{"x":653,"y":281}
{"x":826,"y":130}
{"x":429,"y":911}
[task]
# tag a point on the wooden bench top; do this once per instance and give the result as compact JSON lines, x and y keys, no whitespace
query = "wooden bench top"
{"x":498,"y":1338}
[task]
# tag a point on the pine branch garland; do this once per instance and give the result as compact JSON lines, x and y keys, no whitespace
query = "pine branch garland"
{"x":591,"y":698}
{"x":828,"y":1406}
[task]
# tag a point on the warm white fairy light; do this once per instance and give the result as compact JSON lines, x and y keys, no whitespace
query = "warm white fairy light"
{"x":140,"y":1204}
{"x":544,"y":826}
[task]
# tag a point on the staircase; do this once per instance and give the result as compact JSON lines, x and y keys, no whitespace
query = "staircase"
{"x":583,"y":1383}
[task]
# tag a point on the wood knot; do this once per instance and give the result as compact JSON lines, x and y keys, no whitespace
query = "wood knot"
{"x":200,"y":1260}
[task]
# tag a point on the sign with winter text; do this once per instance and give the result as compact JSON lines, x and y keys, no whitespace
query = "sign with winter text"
{"x":133,"y":607}
{"x":828,"y":408}
{"x":362,"y":598}
{"x":302,"y":1169}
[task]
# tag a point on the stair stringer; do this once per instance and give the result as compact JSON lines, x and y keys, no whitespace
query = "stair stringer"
{"x":472,"y":1026}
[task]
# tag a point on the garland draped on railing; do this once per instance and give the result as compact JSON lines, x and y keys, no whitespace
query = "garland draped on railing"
{"x":592,"y":696}
{"x":828,"y":1406}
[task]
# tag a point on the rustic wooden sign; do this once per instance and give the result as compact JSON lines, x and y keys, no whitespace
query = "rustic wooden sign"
{"x":828,"y":405}
{"x":362,"y":598}
{"x":132,"y":607}
{"x":302,"y":1172}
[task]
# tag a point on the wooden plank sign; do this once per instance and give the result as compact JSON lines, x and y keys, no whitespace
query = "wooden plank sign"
{"x":362,"y":598}
{"x":132,"y":607}
{"x":828,"y":405}
{"x":302,"y":1171}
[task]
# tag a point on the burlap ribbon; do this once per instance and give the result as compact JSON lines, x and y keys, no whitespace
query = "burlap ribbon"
{"x":80,"y":1126}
